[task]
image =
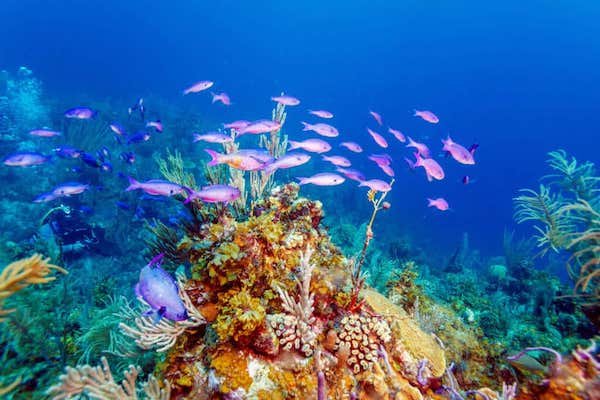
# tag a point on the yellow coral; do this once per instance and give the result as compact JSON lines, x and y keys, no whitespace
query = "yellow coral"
{"x":232,"y":366}
{"x":240,"y":317}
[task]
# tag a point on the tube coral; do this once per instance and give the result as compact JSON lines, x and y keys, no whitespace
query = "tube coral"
{"x":22,"y":273}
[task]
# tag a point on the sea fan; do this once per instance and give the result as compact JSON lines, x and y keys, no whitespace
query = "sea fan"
{"x":577,"y":178}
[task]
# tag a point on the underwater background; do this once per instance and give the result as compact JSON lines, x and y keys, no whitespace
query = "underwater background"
{"x":498,"y":271}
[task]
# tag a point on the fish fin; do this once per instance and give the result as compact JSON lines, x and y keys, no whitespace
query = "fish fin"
{"x":133,"y":184}
{"x":416,"y":112}
{"x":148,"y":312}
{"x":429,"y":178}
{"x":156,"y":260}
{"x":431,"y":202}
{"x":307,"y":127}
{"x":293,"y":145}
{"x":214,"y":97}
{"x":301,"y":180}
{"x":214,"y":157}
{"x":410,"y":163}
{"x":157,"y":315}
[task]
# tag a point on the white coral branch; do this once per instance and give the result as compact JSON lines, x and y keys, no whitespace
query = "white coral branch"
{"x":296,"y":327}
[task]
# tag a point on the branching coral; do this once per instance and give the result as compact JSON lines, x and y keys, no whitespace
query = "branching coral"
{"x":577,"y":178}
{"x":295,"y":329}
{"x":22,"y":273}
{"x":172,"y":169}
{"x":98,"y":383}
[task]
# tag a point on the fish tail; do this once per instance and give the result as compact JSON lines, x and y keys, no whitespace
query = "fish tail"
{"x":302,"y":180}
{"x":214,"y":97}
{"x":410,"y":163}
{"x":133,"y":184}
{"x":431,"y":202}
{"x":214,"y":157}
{"x":293,"y":145}
{"x":307,"y":127}
{"x":416,"y":114}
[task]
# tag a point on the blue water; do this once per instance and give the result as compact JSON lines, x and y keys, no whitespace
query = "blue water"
{"x":519,"y":80}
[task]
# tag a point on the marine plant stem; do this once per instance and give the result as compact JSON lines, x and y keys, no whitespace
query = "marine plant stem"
{"x":369,"y":231}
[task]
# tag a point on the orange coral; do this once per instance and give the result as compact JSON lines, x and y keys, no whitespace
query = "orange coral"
{"x":232,"y":366}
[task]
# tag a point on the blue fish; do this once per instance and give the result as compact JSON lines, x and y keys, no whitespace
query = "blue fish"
{"x":157,"y":288}
{"x":123,"y":205}
{"x":90,"y":160}
{"x":106,"y":166}
{"x":138,"y":137}
{"x":67,"y":152}
{"x":128,"y":157}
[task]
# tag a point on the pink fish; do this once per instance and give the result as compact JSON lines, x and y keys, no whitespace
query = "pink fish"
{"x":215,"y":194}
{"x":387,"y":170}
{"x":156,"y":187}
{"x":397,"y":134}
{"x":427,"y":116}
{"x":353,"y":147}
{"x":212,"y":137}
{"x":222,"y":97}
{"x":378,"y":138}
{"x":237,"y":125}
{"x":69,"y":189}
{"x":377,"y":185}
{"x":321,"y":129}
{"x":245,"y":160}
{"x":312,"y":145}
{"x":377,"y":117}
{"x":338,"y":161}
{"x":156,"y":125}
{"x":381,"y":159}
{"x":321,"y":114}
{"x":44,"y":132}
{"x":432,"y":168}
{"x":286,"y":100}
{"x":260,"y":126}
{"x":198,"y":87}
{"x":323,"y":179}
{"x":351,"y":174}
{"x":458,"y":152}
{"x":422,"y":149}
{"x":289,"y":160}
{"x":439,"y":203}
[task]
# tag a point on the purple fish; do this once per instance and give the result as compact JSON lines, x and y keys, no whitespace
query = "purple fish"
{"x":237,"y":125}
{"x":44,"y":133}
{"x":352,"y":146}
{"x":159,"y":290}
{"x":311,"y":145}
{"x":377,"y":185}
{"x":245,"y":160}
{"x":212,"y":137}
{"x":70,"y":189}
{"x":67,"y":152}
{"x":397,"y":134}
{"x":260,"y":126}
{"x":458,"y":152}
{"x":338,"y":161}
{"x":377,"y":117}
{"x":156,"y":187}
{"x":323,"y":179}
{"x":351,"y":174}
{"x":381,"y":159}
{"x":25,"y":159}
{"x":422,"y":149}
{"x":45,"y":197}
{"x":380,"y":140}
{"x":80,"y":113}
{"x":156,"y":125}
{"x":440,"y":203}
{"x":432,"y":168}
{"x":286,"y":100}
{"x":427,"y":116}
{"x":289,"y":160}
{"x":321,"y":129}
{"x":222,"y":97}
{"x":198,"y":87}
{"x":215,"y":194}
{"x":321,"y":113}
